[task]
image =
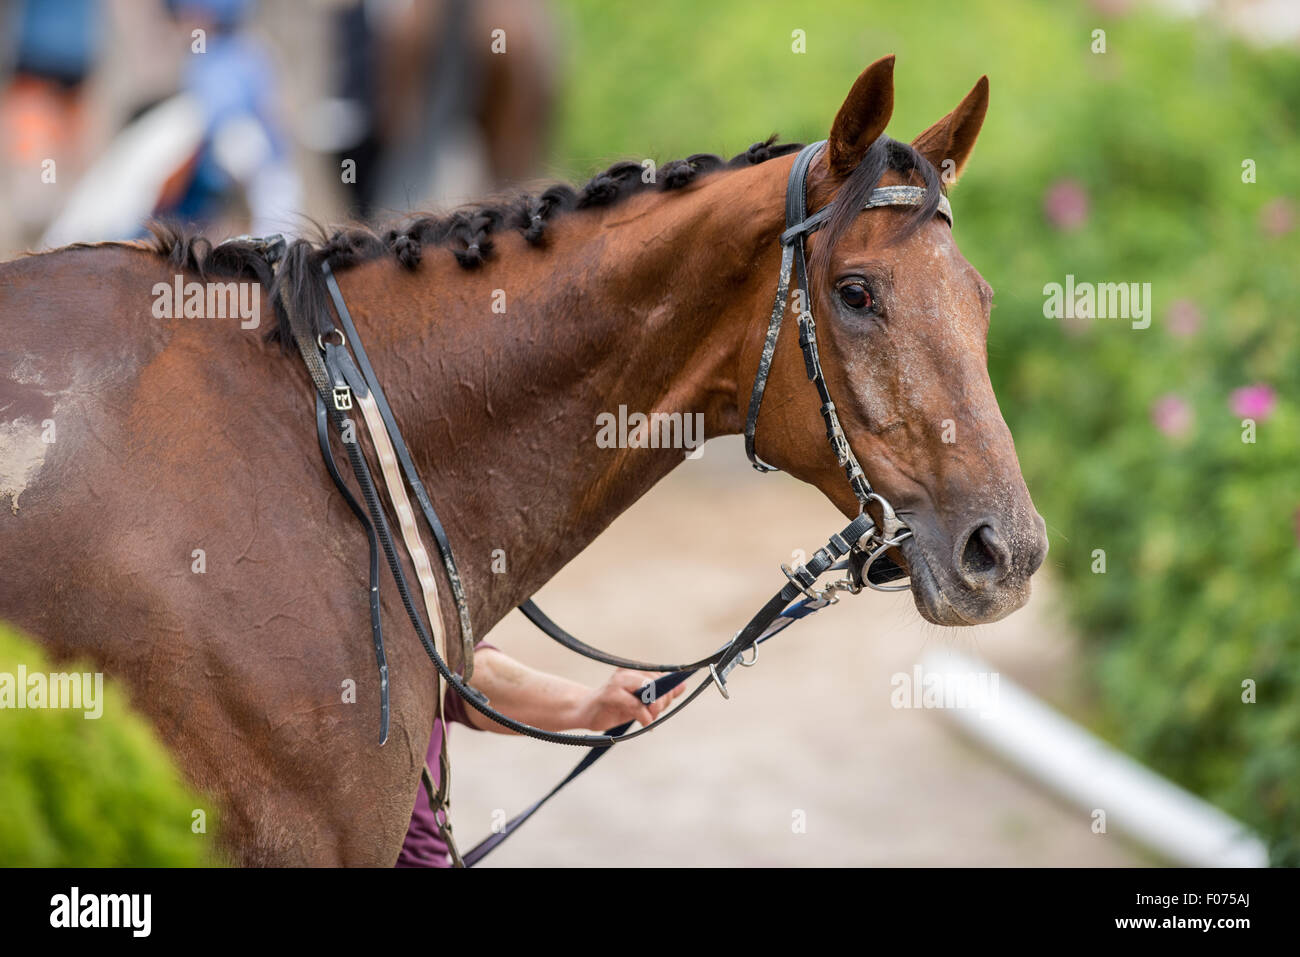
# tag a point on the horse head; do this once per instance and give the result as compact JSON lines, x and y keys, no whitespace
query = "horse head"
{"x":902,"y":320}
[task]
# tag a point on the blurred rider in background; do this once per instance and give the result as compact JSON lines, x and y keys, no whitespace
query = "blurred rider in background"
{"x":214,"y":155}
{"x":245,"y":153}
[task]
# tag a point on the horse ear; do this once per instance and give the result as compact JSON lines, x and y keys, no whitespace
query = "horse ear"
{"x":863,"y":117}
{"x":952,"y":139}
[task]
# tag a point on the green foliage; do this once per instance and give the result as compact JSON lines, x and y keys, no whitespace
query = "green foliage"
{"x":97,"y":792}
{"x":1200,"y":533}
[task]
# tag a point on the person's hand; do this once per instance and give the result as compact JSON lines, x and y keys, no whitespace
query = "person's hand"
{"x":617,"y":701}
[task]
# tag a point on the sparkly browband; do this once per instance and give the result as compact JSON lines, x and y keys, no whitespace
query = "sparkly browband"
{"x":880,"y":196}
{"x":906,"y":196}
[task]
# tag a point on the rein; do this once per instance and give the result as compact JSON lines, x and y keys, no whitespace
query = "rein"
{"x":341,"y":384}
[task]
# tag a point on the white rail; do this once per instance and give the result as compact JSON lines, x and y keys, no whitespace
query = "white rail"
{"x":1087,"y":772}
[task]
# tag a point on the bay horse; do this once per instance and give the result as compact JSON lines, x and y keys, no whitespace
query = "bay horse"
{"x":169,"y":518}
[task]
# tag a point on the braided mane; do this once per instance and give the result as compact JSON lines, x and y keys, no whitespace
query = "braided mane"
{"x":468,"y":232}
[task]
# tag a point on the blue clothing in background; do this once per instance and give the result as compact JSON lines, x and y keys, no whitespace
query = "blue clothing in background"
{"x":58,"y":39}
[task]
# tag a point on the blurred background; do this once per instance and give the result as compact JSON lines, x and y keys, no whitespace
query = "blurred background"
{"x":1162,"y":149}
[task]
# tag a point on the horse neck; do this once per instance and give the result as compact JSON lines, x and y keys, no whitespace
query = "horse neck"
{"x":498,"y":376}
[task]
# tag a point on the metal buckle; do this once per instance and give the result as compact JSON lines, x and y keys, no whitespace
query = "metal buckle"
{"x":272,"y":247}
{"x":807,"y":590}
{"x":343,"y":340}
{"x":840,"y":584}
{"x":717,"y":680}
{"x":721,"y":679}
{"x":835,"y":432}
{"x":342,"y":398}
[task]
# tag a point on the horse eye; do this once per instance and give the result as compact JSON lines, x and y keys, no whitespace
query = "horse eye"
{"x":856,"y":295}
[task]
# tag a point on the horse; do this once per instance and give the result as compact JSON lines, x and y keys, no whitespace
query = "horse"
{"x":169,"y":518}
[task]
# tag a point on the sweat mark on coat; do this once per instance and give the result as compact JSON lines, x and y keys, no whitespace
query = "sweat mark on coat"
{"x":22,"y":453}
{"x":23,"y":413}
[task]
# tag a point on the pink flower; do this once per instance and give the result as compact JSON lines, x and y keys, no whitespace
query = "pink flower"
{"x":1184,"y":319}
{"x":1066,"y":205}
{"x":1253,"y":402}
{"x":1277,"y":218}
{"x":1172,"y":416}
{"x":1112,"y":8}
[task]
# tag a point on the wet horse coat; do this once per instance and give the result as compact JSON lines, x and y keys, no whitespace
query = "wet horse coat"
{"x":186,"y":436}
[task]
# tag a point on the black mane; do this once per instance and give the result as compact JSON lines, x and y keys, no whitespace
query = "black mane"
{"x":468,"y":232}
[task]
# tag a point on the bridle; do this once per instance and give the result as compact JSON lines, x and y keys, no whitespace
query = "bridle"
{"x":798,"y":226}
{"x":342,"y":384}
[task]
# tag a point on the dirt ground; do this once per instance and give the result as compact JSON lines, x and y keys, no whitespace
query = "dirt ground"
{"x":808,"y":735}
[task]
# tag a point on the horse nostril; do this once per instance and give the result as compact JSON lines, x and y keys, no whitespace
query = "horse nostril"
{"x":984,"y":558}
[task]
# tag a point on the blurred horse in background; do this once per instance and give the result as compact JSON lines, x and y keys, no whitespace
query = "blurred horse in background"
{"x":442,"y":101}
